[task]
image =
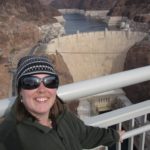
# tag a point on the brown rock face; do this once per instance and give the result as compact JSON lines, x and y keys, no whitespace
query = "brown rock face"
{"x":138,"y":56}
{"x":45,"y":2}
{"x":26,"y":10}
{"x":131,"y":8}
{"x":142,"y":18}
{"x":65,"y":3}
{"x":98,"y":4}
{"x":19,"y":32}
{"x":20,"y":20}
{"x":84,"y":4}
{"x":5,"y":84}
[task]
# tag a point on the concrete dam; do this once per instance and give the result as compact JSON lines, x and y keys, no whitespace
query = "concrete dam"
{"x":94,"y":54}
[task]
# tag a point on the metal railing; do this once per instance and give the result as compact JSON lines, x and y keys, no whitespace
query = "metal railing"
{"x":95,"y":86}
{"x":128,"y":114}
{"x":103,"y":84}
{"x":133,"y":118}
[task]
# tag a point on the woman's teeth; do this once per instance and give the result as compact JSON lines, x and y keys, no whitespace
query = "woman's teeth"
{"x":41,"y":99}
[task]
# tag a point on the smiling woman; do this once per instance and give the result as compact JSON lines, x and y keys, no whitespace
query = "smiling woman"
{"x":37,"y":83}
{"x":37,"y":97}
{"x":40,"y":116}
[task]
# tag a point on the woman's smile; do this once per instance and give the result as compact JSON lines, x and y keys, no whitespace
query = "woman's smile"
{"x":40,"y":100}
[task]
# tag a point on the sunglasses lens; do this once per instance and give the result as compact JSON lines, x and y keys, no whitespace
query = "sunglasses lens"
{"x":51,"y":82}
{"x":30,"y":83}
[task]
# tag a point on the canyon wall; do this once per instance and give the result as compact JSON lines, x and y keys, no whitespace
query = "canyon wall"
{"x":84,"y":4}
{"x":137,"y":10}
{"x":138,"y":56}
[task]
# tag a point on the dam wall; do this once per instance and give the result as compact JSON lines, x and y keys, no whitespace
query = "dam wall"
{"x":94,"y":54}
{"x":71,"y":11}
{"x":98,"y":14}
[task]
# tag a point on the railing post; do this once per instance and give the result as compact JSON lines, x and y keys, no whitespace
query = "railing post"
{"x":131,"y":140}
{"x":118,"y":145}
{"x":142,"y":136}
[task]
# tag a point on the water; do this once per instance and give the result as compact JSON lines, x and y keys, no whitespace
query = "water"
{"x":78,"y":22}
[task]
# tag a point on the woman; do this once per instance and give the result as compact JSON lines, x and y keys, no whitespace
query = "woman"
{"x":39,"y":119}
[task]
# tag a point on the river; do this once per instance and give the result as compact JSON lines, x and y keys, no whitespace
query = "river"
{"x":78,"y":22}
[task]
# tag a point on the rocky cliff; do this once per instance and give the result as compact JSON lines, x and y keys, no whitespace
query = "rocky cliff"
{"x":133,"y":9}
{"x":20,"y":21}
{"x":138,"y":56}
{"x":23,"y":23}
{"x":84,"y":4}
{"x":45,"y":2}
{"x":98,"y":4}
{"x":27,"y":10}
{"x":66,"y":4}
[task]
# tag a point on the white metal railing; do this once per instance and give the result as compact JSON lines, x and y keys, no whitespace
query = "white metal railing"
{"x":98,"y":85}
{"x":5,"y":105}
{"x":103,"y":84}
{"x":95,"y":86}
{"x":119,"y":115}
{"x":131,"y":114}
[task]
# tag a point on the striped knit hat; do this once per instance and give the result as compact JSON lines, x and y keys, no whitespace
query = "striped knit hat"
{"x":30,"y":65}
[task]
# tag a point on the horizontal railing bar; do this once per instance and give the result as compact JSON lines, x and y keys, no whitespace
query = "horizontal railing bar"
{"x":131,"y":133}
{"x":136,"y":131}
{"x":5,"y":105}
{"x":119,"y":115}
{"x":95,"y":86}
{"x":102,"y":84}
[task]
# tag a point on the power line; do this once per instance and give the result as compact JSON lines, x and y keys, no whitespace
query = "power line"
{"x":65,"y":52}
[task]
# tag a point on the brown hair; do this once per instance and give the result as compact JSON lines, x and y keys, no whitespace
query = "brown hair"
{"x":22,"y":113}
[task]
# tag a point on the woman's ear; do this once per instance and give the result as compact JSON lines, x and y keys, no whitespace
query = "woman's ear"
{"x":20,"y":97}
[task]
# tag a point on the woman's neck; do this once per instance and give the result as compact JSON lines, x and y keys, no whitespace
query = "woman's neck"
{"x":46,"y":122}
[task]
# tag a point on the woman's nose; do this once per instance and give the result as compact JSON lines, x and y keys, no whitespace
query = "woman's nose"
{"x":41,"y":87}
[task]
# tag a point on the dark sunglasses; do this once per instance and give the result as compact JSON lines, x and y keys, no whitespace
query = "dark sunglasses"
{"x":33,"y":82}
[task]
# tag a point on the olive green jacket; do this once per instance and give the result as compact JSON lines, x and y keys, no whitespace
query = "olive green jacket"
{"x":70,"y":133}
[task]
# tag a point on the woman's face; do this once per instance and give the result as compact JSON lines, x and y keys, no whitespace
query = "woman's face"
{"x":39,"y":101}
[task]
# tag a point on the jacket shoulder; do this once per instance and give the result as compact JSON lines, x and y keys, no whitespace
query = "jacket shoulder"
{"x":6,"y":127}
{"x":9,"y":137}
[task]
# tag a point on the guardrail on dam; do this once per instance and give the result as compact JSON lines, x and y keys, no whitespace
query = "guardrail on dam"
{"x":93,"y":54}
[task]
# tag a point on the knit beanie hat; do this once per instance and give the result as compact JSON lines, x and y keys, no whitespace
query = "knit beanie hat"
{"x":32,"y":64}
